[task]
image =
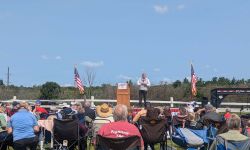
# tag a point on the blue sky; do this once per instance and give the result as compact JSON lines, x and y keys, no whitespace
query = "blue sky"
{"x":42,"y":40}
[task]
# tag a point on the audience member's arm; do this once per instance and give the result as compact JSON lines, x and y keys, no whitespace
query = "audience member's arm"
{"x":200,"y":111}
{"x":36,"y":128}
{"x":35,"y":124}
{"x":9,"y":130}
{"x":9,"y":127}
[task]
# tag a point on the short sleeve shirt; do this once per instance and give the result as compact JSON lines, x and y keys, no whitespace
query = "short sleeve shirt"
{"x":22,"y":124}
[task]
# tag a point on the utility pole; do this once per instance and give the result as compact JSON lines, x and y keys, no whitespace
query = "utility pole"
{"x":8,"y":77}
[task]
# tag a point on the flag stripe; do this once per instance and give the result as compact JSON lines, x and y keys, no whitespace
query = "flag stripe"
{"x":78,"y":82}
{"x":193,"y":81}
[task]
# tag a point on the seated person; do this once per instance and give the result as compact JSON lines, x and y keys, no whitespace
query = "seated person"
{"x":88,"y":111}
{"x":180,"y":119}
{"x":152,"y":114}
{"x":104,"y":116}
{"x":121,"y":127}
{"x":4,"y":137}
{"x":141,"y":113}
{"x":247,"y":129}
{"x":42,"y":112}
{"x":233,"y":135}
{"x":227,"y":114}
{"x":210,"y":116}
{"x":23,"y":125}
{"x":192,"y":123}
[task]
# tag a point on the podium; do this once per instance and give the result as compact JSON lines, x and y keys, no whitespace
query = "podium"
{"x":123,"y":94}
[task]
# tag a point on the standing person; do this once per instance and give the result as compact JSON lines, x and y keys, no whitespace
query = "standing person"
{"x":23,"y":126}
{"x":143,"y":83}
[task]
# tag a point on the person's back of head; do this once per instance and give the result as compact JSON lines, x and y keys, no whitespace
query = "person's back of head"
{"x":228,"y":110}
{"x":209,"y":108}
{"x":167,"y":111}
{"x":183,"y":111}
{"x":153,"y":113}
{"x":24,"y":105}
{"x":87,"y":104}
{"x":234,"y":122}
{"x":120,"y":113}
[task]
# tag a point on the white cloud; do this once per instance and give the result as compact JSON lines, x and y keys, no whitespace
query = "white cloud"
{"x":181,"y":7}
{"x":125,"y":77}
{"x":66,"y":85}
{"x":91,"y":64}
{"x":58,"y":57}
{"x":157,"y":69}
{"x":45,"y":57}
{"x":161,"y":9}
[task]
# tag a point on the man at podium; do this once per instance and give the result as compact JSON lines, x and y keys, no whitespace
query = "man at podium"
{"x":143,"y":83}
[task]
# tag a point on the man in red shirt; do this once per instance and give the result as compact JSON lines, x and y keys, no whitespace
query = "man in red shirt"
{"x":42,"y":112}
{"x":121,"y":127}
{"x":227,"y":114}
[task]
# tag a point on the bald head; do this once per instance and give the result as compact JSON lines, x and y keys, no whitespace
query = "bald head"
{"x":120,"y":113}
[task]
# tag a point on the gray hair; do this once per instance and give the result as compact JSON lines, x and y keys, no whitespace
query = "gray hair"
{"x":87,"y":104}
{"x":209,"y":108}
{"x":228,"y":109}
{"x":120,"y":113}
{"x":234,"y":122}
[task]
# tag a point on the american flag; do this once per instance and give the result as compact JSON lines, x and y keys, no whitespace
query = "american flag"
{"x":193,"y":81}
{"x":78,"y":82}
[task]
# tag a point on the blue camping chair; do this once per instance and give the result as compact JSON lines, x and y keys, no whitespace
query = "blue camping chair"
{"x":222,"y":144}
{"x":190,"y":139}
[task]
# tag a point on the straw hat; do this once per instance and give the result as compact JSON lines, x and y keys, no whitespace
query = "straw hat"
{"x":103,"y":110}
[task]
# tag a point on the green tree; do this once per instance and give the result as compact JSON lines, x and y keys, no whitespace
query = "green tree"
{"x":50,"y":90}
{"x":200,"y":82}
{"x":233,"y":81}
{"x":177,"y":83}
{"x":185,"y":81}
{"x":1,"y":83}
{"x":214,"y":80}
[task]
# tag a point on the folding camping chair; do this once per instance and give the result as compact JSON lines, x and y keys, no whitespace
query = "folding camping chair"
{"x":154,"y":131}
{"x":189,"y":138}
{"x":222,"y":144}
{"x":125,"y":143}
{"x":66,"y":134}
{"x":94,"y":126}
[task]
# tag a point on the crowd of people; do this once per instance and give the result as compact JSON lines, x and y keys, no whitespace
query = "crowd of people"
{"x":19,"y":123}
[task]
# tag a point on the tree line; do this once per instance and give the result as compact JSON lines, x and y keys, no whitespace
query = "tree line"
{"x":179,"y":89}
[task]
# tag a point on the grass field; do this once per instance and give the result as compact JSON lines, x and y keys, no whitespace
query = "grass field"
{"x":157,"y":146}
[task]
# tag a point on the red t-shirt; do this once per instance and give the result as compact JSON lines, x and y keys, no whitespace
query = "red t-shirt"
{"x":227,"y":115}
{"x":41,"y":110}
{"x":120,"y":129}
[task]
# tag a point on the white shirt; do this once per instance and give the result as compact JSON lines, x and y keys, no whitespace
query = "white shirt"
{"x":143,"y":84}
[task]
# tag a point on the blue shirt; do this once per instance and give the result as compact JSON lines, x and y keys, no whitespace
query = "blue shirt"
{"x":22,"y":123}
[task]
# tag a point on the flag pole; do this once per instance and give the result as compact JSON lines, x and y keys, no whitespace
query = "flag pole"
{"x":191,"y":94}
{"x":74,"y":84}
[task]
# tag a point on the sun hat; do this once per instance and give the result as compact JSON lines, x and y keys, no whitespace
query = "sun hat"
{"x":103,"y":110}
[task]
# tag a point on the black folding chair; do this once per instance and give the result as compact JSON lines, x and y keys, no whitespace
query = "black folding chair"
{"x":124,"y":143}
{"x":66,"y":134}
{"x":154,"y":131}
